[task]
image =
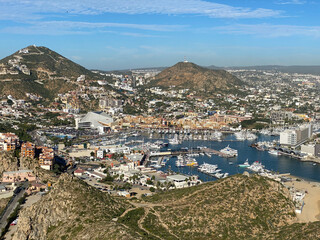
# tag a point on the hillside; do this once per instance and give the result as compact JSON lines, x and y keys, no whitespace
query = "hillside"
{"x":73,"y":210}
{"x":194,"y":77}
{"x":40,"y":71}
{"x":238,"y":207}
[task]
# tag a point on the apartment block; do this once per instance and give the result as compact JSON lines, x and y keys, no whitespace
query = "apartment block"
{"x":28,"y":150}
{"x":46,"y":158}
{"x":8,"y":141}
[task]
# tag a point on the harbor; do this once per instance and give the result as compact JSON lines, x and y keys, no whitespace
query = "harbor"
{"x":209,"y":152}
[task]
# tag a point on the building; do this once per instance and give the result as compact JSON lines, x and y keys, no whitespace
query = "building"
{"x":95,"y":120}
{"x":18,"y":176}
{"x":296,"y":137}
{"x":46,"y":158}
{"x":28,"y":150}
{"x":181,"y":181}
{"x":8,"y":141}
{"x":279,"y":117}
{"x":311,"y":149}
{"x":79,"y":172}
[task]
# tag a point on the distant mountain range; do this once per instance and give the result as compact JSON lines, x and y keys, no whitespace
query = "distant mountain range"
{"x":41,"y":71}
{"x":192,"y":76}
{"x":288,"y":69}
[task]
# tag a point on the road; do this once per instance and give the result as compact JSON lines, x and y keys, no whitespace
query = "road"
{"x":13,"y":203}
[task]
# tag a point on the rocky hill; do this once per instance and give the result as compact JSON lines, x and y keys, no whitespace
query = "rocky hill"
{"x":191,"y":76}
{"x":238,"y":207}
{"x":73,"y":210}
{"x":8,"y":162}
{"x":40,"y":71}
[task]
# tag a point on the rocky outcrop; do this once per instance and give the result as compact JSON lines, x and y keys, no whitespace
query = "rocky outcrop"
{"x":28,"y":163}
{"x":8,"y":162}
{"x":72,"y":210}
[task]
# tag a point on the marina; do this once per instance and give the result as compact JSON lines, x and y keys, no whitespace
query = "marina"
{"x":208,"y":151}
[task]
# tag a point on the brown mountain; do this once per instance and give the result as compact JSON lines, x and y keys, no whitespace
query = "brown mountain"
{"x":191,"y":76}
{"x":41,"y":71}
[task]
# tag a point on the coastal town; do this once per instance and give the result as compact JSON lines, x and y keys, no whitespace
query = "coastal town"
{"x":132,"y":140}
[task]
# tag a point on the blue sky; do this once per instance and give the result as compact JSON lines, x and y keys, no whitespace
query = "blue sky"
{"x":122,"y":34}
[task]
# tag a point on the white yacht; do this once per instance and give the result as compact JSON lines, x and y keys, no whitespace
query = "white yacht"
{"x":256,"y":167}
{"x":245,"y":164}
{"x":229,"y":151}
{"x":273,"y":152}
{"x":174,"y":140}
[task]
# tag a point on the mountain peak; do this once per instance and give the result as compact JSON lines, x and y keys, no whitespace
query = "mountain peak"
{"x":192,"y":76}
{"x":37,"y":68}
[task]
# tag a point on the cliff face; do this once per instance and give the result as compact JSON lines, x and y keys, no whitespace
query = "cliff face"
{"x":8,"y":162}
{"x":72,"y":210}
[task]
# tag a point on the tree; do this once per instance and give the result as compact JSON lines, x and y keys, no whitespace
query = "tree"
{"x":10,"y":102}
{"x":149,"y":182}
{"x":152,"y":189}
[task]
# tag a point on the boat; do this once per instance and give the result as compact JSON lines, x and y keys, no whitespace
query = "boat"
{"x":208,"y":168}
{"x":273,"y":152}
{"x":256,"y":167}
{"x":245,"y":135}
{"x":225,"y":175}
{"x":245,"y":164}
{"x":174,"y":141}
{"x":229,"y":152}
{"x":218,"y":175}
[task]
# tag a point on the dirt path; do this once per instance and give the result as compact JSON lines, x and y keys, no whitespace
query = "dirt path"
{"x":163,"y":224}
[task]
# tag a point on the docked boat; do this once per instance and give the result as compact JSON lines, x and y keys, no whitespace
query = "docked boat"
{"x":245,"y":135}
{"x":273,"y":152}
{"x":208,"y":168}
{"x":218,"y":175}
{"x":229,"y":152}
{"x":245,"y":164}
{"x":256,"y":167}
{"x":174,"y":141}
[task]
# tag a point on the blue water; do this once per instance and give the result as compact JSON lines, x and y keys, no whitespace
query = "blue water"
{"x":281,"y":164}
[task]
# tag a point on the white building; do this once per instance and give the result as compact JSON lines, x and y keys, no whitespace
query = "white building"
{"x":95,"y":120}
{"x":295,"y":137}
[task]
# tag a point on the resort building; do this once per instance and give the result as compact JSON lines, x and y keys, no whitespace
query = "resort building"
{"x":296,"y":137}
{"x":28,"y":150}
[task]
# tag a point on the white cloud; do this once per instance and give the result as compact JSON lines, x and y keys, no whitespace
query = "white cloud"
{"x":35,"y":9}
{"x":268,"y":30}
{"x":70,"y":27}
{"x":295,"y":2}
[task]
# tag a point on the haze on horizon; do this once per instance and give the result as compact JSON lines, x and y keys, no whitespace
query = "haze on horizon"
{"x":113,"y":34}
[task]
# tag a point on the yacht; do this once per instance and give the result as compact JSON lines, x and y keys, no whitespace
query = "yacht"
{"x":208,"y":168}
{"x":256,"y":167}
{"x":229,"y":152}
{"x":174,"y":141}
{"x":245,"y":164}
{"x":273,"y":152}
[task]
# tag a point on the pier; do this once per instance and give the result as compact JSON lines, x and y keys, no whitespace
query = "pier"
{"x":208,"y":151}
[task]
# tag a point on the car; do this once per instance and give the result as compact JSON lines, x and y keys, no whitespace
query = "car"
{"x":14,"y":222}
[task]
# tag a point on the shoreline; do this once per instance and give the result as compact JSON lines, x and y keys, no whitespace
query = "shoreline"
{"x":311,"y":209}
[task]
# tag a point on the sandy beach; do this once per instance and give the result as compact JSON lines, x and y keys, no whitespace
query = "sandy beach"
{"x":311,"y":209}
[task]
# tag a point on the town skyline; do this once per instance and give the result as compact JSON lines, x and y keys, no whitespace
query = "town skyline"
{"x":111,"y":35}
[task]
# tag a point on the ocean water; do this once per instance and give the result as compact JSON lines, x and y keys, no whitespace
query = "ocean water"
{"x":281,"y":164}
